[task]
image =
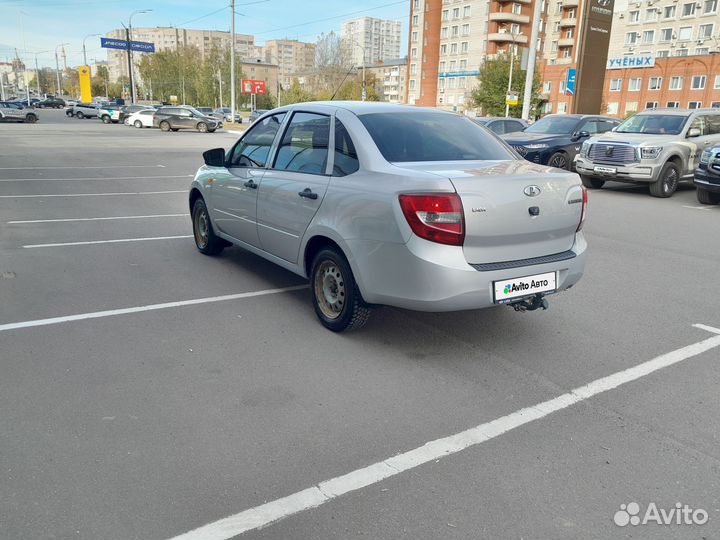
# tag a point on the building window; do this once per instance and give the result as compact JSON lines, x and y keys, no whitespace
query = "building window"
{"x":456,"y":13}
{"x":673,"y":104}
{"x":615,"y":85}
{"x":412,"y":84}
{"x":556,"y":27}
{"x":666,"y":34}
{"x":517,"y":9}
{"x":453,"y":63}
{"x":415,"y":20}
{"x":688,"y":9}
{"x":651,"y":105}
{"x":698,"y":82}
{"x":444,"y":14}
{"x":567,"y":52}
{"x":669,"y":12}
{"x":414,"y":37}
{"x":463,"y":65}
{"x":443,"y":49}
{"x":651,"y":14}
{"x":715,"y":105}
{"x":612,"y":108}
{"x":648,"y":37}
{"x":562,"y":108}
{"x":570,"y":14}
{"x":465,"y":29}
{"x":634,"y":16}
{"x":681,"y":52}
{"x":554,"y":46}
{"x":561,"y":89}
{"x":466,"y":11}
{"x":569,"y":34}
{"x":455,"y":31}
{"x":453,"y":48}
{"x":631,"y":38}
{"x":685,"y":33}
{"x":558,"y":8}
{"x":444,"y":32}
{"x":631,"y":107}
{"x":655,"y":83}
{"x":442,"y":66}
{"x":717,"y":82}
{"x":700,"y":51}
{"x":634,"y":85}
{"x":676,"y":83}
{"x":547,"y":87}
{"x":710,"y":6}
{"x":694,"y":104}
{"x":413,"y":53}
{"x":413,"y":69}
{"x":705,"y":31}
{"x":464,"y":47}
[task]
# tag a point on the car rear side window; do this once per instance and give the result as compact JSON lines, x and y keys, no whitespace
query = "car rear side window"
{"x":254,"y":148}
{"x":346,"y":160}
{"x":431,"y":136}
{"x":304,"y":147}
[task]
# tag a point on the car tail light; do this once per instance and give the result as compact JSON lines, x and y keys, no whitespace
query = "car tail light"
{"x":437,"y":217}
{"x":583,"y":212}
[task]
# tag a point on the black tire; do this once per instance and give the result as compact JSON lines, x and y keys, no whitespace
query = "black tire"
{"x":667,"y":182}
{"x":592,"y":183}
{"x":138,"y":124}
{"x":336,"y":297}
{"x":559,"y":160}
{"x":31,"y":118}
{"x":105,"y":119}
{"x":175,"y":129}
{"x":79,"y":115}
{"x":202,"y":127}
{"x":164,"y":126}
{"x":707,"y":197}
{"x":205,"y":239}
{"x":211,"y":131}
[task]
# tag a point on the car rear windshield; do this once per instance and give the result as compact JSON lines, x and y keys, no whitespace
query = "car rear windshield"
{"x":558,"y":125}
{"x":432,"y":136}
{"x":653,"y":124}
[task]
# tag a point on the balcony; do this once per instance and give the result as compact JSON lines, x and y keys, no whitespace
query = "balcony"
{"x":501,"y":16}
{"x":567,"y":22}
{"x":570,"y":3}
{"x":566,"y":42}
{"x":506,"y":37}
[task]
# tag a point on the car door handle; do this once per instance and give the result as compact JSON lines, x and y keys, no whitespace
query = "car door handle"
{"x":308,"y":194}
{"x":250,"y":184}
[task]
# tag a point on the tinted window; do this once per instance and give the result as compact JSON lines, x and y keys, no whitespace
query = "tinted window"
{"x":560,"y":125}
{"x":511,"y":126}
{"x":304,"y":147}
{"x":346,"y":160}
{"x":148,"y":113}
{"x":591,"y":126}
{"x":655,"y":124}
{"x":606,"y":125}
{"x":431,"y":136}
{"x":254,"y":147}
{"x":496,"y":127}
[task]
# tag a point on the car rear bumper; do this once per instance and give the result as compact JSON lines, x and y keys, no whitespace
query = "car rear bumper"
{"x":425,"y":276}
{"x":624,"y":172}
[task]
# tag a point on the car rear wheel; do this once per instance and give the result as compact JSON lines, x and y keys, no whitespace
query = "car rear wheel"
{"x":592,"y":183}
{"x":559,"y":160}
{"x":202,"y":127}
{"x":138,"y":124}
{"x":31,"y":118}
{"x":707,"y":197}
{"x":106,"y":119}
{"x":164,"y":125}
{"x":336,"y":297}
{"x":668,"y":181}
{"x":79,"y":115}
{"x":205,"y":239}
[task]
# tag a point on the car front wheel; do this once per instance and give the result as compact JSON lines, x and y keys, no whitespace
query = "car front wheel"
{"x":336,"y":297}
{"x":105,"y":119}
{"x":79,"y":115}
{"x":31,"y":118}
{"x":559,"y":160}
{"x":164,"y":126}
{"x":202,"y":127}
{"x":667,"y":182}
{"x":138,"y":124}
{"x":707,"y":197}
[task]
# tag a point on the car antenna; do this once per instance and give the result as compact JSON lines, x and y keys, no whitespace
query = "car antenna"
{"x":341,"y":83}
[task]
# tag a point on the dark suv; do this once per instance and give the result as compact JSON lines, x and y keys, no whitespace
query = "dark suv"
{"x":51,"y":103}
{"x":175,"y":118}
{"x":556,"y":139}
{"x":707,"y":176}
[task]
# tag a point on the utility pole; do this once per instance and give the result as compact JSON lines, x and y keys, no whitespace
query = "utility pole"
{"x":232,"y":60}
{"x":57,"y":70}
{"x":37,"y":74}
{"x":220,"y":81}
{"x":532,"y":56}
{"x":2,"y":86}
{"x":84,"y":52}
{"x":130,"y":69}
{"x":512,"y":67}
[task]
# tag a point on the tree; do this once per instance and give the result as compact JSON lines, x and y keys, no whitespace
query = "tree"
{"x":491,"y":92}
{"x":296,"y":94}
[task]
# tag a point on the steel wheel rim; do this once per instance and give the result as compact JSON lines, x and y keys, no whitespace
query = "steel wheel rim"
{"x":670,"y":181}
{"x":202,"y":128}
{"x":559,"y":162}
{"x":330,"y":289}
{"x":202,"y":229}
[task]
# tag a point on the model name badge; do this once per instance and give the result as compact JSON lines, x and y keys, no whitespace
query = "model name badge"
{"x":479,"y":209}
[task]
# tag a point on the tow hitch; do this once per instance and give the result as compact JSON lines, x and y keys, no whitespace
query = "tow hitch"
{"x":536,"y":302}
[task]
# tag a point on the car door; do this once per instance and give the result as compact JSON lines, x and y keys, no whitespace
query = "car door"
{"x":698,"y":144}
{"x":293,"y":188}
{"x":234,"y":192}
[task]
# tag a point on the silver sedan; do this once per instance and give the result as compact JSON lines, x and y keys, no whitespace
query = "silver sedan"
{"x":387,"y":204}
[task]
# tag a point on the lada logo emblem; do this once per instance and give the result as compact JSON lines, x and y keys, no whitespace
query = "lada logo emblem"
{"x":532,"y":191}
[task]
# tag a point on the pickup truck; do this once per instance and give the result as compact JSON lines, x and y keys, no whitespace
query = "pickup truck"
{"x":658,"y":147}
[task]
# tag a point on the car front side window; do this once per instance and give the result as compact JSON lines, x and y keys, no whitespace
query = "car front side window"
{"x":254,"y":148}
{"x":304,"y":146}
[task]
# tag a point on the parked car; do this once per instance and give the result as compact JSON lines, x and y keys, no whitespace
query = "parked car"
{"x":556,"y":139}
{"x":51,"y":103}
{"x":85,"y":110}
{"x":415,"y":208}
{"x":707,"y":176}
{"x":224,"y":114}
{"x":257,"y":113}
{"x":14,"y":112}
{"x":501,"y":126}
{"x":109,"y":114}
{"x":127,"y":110}
{"x":657,"y":147}
{"x":71,"y":102}
{"x":141,"y":119}
{"x":208,"y":111}
{"x":175,"y":118}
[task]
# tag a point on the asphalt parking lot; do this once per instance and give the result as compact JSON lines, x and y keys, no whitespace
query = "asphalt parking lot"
{"x":129,"y":412}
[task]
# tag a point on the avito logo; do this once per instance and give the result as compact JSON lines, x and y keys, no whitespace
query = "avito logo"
{"x":523,"y":286}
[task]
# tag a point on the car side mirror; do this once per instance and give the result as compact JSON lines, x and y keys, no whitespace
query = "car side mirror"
{"x":214,"y":157}
{"x":614,"y":128}
{"x":693,"y":132}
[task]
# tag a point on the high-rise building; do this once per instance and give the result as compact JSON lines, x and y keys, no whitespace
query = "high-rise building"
{"x":368,"y":40}
{"x":390,"y":79}
{"x":292,"y":57}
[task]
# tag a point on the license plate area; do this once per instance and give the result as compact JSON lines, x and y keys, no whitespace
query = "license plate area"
{"x":604,"y":170}
{"x":507,"y":290}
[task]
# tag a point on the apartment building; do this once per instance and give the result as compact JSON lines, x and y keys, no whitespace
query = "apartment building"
{"x":368,"y":40}
{"x":391,"y":78}
{"x":292,"y":57}
{"x":170,"y":38}
{"x":262,"y":71}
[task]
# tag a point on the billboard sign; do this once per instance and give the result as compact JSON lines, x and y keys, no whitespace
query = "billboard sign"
{"x":139,"y":46}
{"x":250,"y":86}
{"x":592,"y":57}
{"x":85,"y":86}
{"x":570,"y":83}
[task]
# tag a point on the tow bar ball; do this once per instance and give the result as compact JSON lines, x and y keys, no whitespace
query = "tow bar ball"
{"x":536,"y":302}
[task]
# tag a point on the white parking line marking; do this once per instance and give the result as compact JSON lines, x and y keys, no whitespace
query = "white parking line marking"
{"x":707,"y":328}
{"x":93,"y":179}
{"x":140,"y":309}
{"x":90,"y":194}
{"x":263,"y":515}
{"x":68,"y":220}
{"x":697,"y":207}
{"x":116,"y":241}
{"x":83,"y":167}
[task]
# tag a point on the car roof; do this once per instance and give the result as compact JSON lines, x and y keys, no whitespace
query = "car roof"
{"x":672,"y":111}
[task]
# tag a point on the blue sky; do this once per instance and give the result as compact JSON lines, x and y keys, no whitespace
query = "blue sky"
{"x":47,"y":23}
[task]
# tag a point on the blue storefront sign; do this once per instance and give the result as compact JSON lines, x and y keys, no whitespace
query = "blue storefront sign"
{"x":570,"y":84}
{"x":139,"y":46}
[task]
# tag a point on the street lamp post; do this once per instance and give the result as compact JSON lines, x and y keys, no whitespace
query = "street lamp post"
{"x":363,"y":96}
{"x":37,"y":71}
{"x":130,"y":57}
{"x":510,"y":75}
{"x":84,"y":52}
{"x":57,"y":69}
{"x":232,"y":61}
